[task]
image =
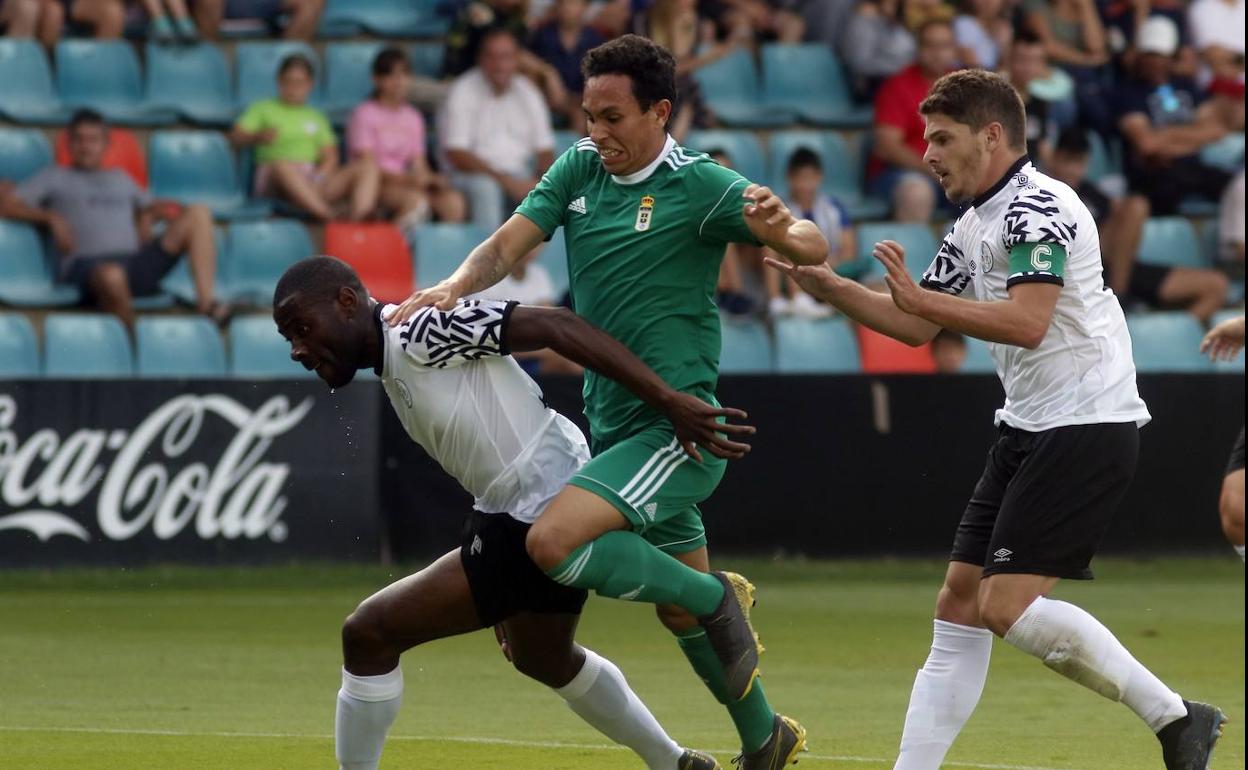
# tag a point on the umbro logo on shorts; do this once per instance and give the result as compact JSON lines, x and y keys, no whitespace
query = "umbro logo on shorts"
{"x":578,"y":206}
{"x":1002,"y":554}
{"x":476,"y":545}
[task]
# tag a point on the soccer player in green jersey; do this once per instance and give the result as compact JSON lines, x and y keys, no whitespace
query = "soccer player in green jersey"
{"x":646,"y":224}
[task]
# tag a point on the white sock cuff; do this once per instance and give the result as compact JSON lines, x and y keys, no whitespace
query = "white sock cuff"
{"x":1239,"y":549}
{"x":584,"y":678}
{"x":1019,"y":634}
{"x":943,"y":629}
{"x":373,"y":689}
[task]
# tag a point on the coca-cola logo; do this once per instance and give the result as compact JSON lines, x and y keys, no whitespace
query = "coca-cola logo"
{"x":148,"y":482}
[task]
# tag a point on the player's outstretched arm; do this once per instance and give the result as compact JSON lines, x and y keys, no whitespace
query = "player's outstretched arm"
{"x":1224,"y":341}
{"x":485,"y":266}
{"x":798,"y":240}
{"x":696,"y":423}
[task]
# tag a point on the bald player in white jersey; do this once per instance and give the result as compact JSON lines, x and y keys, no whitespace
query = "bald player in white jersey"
{"x":1027,"y":252}
{"x":460,"y":395}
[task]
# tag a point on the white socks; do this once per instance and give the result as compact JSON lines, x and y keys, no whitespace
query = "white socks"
{"x":944,"y":695}
{"x":1239,"y":549}
{"x":600,"y":695}
{"x":367,"y":706}
{"x":1076,"y":645}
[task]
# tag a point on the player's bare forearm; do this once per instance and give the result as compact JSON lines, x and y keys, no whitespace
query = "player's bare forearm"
{"x":876,"y":310}
{"x":1022,"y":320}
{"x":484,"y":267}
{"x":802,"y":244}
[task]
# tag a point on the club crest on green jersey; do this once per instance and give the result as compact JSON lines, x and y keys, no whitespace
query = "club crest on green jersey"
{"x":644,"y":212}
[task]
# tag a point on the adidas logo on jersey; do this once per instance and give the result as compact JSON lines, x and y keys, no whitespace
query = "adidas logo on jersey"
{"x":578,"y":205}
{"x":631,"y":595}
{"x":650,"y":509}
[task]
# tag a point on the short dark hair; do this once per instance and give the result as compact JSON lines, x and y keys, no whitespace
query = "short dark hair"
{"x":1027,"y":36}
{"x":493,"y":31}
{"x":949,"y":336}
{"x":291,"y":61}
{"x":977,"y":98}
{"x":930,"y":24}
{"x":86,"y":117}
{"x":804,"y":157}
{"x":318,"y":278}
{"x":647,"y":64}
{"x":387,"y":59}
{"x":1073,"y":141}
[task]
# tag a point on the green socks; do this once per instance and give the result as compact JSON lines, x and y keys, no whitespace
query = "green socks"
{"x":622,"y":565}
{"x":752,"y":715}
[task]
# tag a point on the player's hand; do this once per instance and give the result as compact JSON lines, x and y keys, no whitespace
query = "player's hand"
{"x":1224,"y":341}
{"x":697,"y":424}
{"x":768,"y":217}
{"x":500,"y":634}
{"x":442,"y":295}
{"x":906,"y":293}
{"x":819,"y":281}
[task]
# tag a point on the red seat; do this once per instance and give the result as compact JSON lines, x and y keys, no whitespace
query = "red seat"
{"x":124,"y":152}
{"x":378,"y":253}
{"x":884,"y":355}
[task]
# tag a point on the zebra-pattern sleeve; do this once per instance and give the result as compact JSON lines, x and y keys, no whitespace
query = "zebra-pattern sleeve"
{"x":474,"y":329}
{"x":1038,"y":233}
{"x":948,"y":272}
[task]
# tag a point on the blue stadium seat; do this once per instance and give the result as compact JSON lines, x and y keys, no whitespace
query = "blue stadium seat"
{"x":564,"y":141}
{"x":170,"y":346}
{"x":192,"y":79}
{"x":731,"y":89}
{"x":255,"y":69}
{"x":746,"y":347}
{"x":390,"y":18}
{"x":105,"y":76}
{"x":554,"y":257}
{"x":742,"y":148}
{"x":90,"y":345}
{"x":26,"y":278}
{"x":917,"y":239}
{"x":427,"y":58}
{"x":256,"y":255}
{"x":26,"y":91}
{"x":1226,"y":153}
{"x":19,"y":347}
{"x":806,"y":79}
{"x":348,"y":76}
{"x":1167,"y":342}
{"x":441,"y":248}
{"x":1170,"y":241}
{"x":842,"y":169}
{"x":825,"y":346}
{"x":1102,"y":161}
{"x":258,"y":351}
{"x":199,"y":167}
{"x":978,"y":359}
{"x":23,"y":151}
{"x":1235,"y":365}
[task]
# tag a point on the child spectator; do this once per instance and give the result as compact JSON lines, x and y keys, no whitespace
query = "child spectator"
{"x":948,"y":351}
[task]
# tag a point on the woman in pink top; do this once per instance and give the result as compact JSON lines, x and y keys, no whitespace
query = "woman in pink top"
{"x":391,"y":132}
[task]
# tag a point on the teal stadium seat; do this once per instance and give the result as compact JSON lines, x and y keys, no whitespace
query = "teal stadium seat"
{"x":1235,"y":365}
{"x":805,"y":346}
{"x":23,"y":151}
{"x":978,"y":359}
{"x":742,"y":148}
{"x":807,"y":80}
{"x":427,"y":57}
{"x":27,"y":94}
{"x":194,"y":80}
{"x":390,"y":18}
{"x":1226,"y":153}
{"x":842,"y":169}
{"x":564,"y":141}
{"x":732,"y":91}
{"x":1170,"y":241}
{"x":917,"y":239}
{"x":746,"y":347}
{"x":105,"y":76}
{"x":554,"y":257}
{"x":348,"y":76}
{"x":1102,"y":160}
{"x":86,"y":345}
{"x":441,"y":248}
{"x":19,"y":347}
{"x":256,"y":65}
{"x":256,"y":255}
{"x":176,"y":347}
{"x":257,"y":351}
{"x":26,"y":278}
{"x":199,"y":167}
{"x":1167,"y":342}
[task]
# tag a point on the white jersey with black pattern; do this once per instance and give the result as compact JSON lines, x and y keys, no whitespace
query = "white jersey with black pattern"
{"x":1033,"y":228}
{"x":465,"y":400}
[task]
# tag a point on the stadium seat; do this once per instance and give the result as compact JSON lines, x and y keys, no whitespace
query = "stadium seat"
{"x":1170,"y":241}
{"x":348,"y":76}
{"x":378,"y":253}
{"x":804,"y":346}
{"x":390,"y":18}
{"x":731,"y":89}
{"x":978,"y":358}
{"x":1101,"y":161}
{"x":23,"y":151}
{"x":19,"y":347}
{"x":1226,"y":153}
{"x":257,"y":351}
{"x":194,"y":80}
{"x":105,"y":76}
{"x":256,"y":255}
{"x":93,"y":345}
{"x":256,"y":65}
{"x":554,"y":257}
{"x":842,"y":169}
{"x":881,"y":354}
{"x":1235,"y":365}
{"x":171,"y":346}
{"x":564,"y":141}
{"x":26,"y":278}
{"x":746,"y":347}
{"x":917,"y":239}
{"x":1167,"y":342}
{"x":198,"y":167}
{"x":124,"y":152}
{"x":27,"y":94}
{"x":742,"y":148}
{"x":427,"y":58}
{"x":806,"y":79}
{"x":441,"y":248}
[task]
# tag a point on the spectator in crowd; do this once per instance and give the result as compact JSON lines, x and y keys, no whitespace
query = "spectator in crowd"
{"x":916,"y":14}
{"x":897,"y":172}
{"x":676,"y":25}
{"x":100,"y":223}
{"x":389,"y":132}
{"x":297,"y":154}
{"x":562,"y":43}
{"x":1028,"y":63}
{"x":983,"y":33}
{"x":807,"y":200}
{"x":39,"y":19}
{"x":169,"y":21}
{"x":756,"y":21}
{"x":105,"y":18}
{"x":300,"y":17}
{"x":496,"y":168}
{"x":1217,"y":32}
{"x":876,"y":45}
{"x":948,"y":351}
{"x":1231,"y":225}
{"x":479,"y":19}
{"x":730,"y":292}
{"x":826,"y":21}
{"x":1199,"y":291}
{"x":1074,"y":39}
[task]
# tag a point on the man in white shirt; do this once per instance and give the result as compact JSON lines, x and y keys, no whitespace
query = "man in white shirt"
{"x":1027,"y":249}
{"x":459,"y":394}
{"x":1217,"y":28}
{"x":495,"y":131}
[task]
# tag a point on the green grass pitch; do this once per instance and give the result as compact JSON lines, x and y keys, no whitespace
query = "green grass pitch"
{"x":235,"y":669}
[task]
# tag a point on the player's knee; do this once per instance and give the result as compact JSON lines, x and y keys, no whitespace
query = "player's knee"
{"x":999,"y":613}
{"x":958,"y":602}
{"x":363,"y":633}
{"x":551,"y":668}
{"x":1231,"y":508}
{"x":546,"y":547}
{"x":674,"y":618}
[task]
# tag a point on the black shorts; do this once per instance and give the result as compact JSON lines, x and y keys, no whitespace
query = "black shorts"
{"x":1237,"y":455}
{"x":1046,"y":499}
{"x":1167,"y":188}
{"x":1146,"y":281}
{"x":503,"y":579}
{"x":144,"y":268}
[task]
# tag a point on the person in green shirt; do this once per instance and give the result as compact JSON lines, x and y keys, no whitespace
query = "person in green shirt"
{"x":297,"y":153}
{"x":646,"y":223}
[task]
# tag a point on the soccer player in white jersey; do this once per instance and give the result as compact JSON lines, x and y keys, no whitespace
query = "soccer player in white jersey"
{"x":1223,"y":343}
{"x":461,"y":396}
{"x":1027,"y":253}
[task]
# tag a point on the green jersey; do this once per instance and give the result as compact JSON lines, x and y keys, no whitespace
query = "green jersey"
{"x":643,"y":261}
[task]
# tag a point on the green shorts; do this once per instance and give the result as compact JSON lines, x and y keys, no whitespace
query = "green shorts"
{"x":650,"y":479}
